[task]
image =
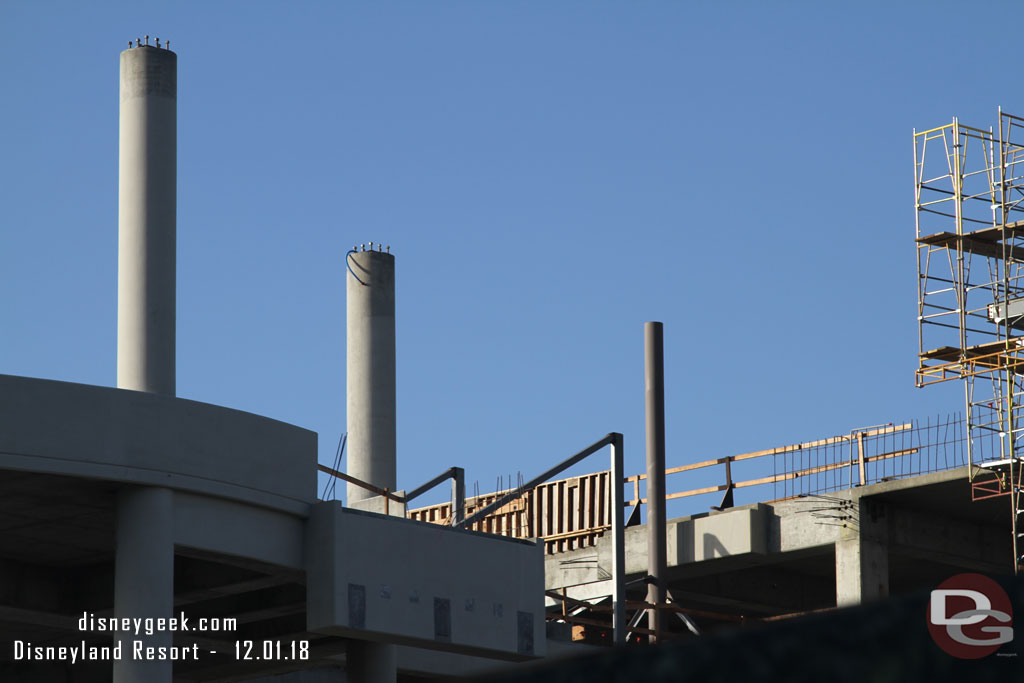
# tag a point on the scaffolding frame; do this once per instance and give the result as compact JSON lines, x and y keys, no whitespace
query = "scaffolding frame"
{"x":969,"y":221}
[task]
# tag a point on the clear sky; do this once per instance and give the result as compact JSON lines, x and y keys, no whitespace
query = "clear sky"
{"x":549,"y":175}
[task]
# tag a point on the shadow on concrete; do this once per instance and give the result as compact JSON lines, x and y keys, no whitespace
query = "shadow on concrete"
{"x":885,"y":641}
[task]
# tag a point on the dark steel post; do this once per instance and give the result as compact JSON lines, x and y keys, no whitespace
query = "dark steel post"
{"x":654,"y":405}
{"x":458,"y":495}
{"x":618,"y":541}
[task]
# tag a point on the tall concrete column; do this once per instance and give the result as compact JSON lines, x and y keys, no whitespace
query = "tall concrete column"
{"x":370,"y":371}
{"x":862,"y":556}
{"x":370,"y":410}
{"x":144,"y":577}
{"x":654,"y":407}
{"x":146,"y":282}
{"x":147,"y":195}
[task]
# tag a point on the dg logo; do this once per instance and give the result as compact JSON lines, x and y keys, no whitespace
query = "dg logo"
{"x":970,"y":616}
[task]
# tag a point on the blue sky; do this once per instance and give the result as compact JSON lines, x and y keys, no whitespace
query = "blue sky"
{"x":548,"y":175}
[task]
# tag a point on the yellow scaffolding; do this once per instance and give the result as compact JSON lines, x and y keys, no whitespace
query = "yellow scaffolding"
{"x":969,"y":202}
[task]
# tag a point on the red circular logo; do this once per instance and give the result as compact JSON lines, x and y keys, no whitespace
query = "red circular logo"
{"x":969,"y":616}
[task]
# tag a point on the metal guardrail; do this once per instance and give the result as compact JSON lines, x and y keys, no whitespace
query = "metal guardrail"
{"x":573,"y":513}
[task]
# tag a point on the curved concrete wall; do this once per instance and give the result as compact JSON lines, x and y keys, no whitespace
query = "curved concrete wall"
{"x":136,"y":437}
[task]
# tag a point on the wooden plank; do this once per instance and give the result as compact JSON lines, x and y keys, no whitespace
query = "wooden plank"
{"x":576,"y":507}
{"x":559,"y":507}
{"x":530,"y":514}
{"x":579,"y":533}
{"x":779,"y":477}
{"x":980,"y":243}
{"x":549,"y":509}
{"x":861,"y":464}
{"x":580,"y":620}
{"x":952,"y":353}
{"x":888,"y":429}
{"x":995,"y":233}
{"x":694,"y":492}
{"x":780,"y":617}
{"x":693,"y":466}
{"x":779,"y":450}
{"x":566,"y":599}
{"x":821,"y":468}
{"x":587,"y":490}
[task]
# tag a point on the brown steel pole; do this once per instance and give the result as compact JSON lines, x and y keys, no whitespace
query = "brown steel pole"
{"x":654,"y":405}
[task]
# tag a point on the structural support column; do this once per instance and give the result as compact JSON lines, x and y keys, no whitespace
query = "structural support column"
{"x":654,"y":405}
{"x":370,"y":371}
{"x":862,"y":556}
{"x":371,"y":412}
{"x":146,"y":312}
{"x":144,"y":578}
{"x":147,"y":216}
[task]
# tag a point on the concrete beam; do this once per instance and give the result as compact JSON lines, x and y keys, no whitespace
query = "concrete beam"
{"x":222,"y":590}
{"x":213,"y":524}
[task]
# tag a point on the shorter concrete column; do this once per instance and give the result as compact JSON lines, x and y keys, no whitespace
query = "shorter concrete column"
{"x":862,"y":556}
{"x":370,"y":662}
{"x":144,"y":578}
{"x":370,"y":372}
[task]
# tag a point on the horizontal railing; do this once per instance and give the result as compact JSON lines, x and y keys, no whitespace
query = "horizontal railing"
{"x":573,"y":513}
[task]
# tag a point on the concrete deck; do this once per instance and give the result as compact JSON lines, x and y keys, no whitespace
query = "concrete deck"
{"x":811,"y":552}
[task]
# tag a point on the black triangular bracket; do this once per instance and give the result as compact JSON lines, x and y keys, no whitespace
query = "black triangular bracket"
{"x":726,"y":500}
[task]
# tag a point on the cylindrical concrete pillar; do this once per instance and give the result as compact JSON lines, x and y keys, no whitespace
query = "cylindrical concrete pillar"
{"x":147,"y":195}
{"x":144,"y":578}
{"x":654,"y":405}
{"x":370,"y":371}
{"x":370,"y":408}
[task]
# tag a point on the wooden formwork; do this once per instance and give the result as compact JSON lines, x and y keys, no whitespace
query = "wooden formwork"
{"x":568,"y":513}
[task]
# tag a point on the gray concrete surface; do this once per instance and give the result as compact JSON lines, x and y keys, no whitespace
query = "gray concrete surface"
{"x":147,"y":220}
{"x":144,"y":579}
{"x":370,"y":372}
{"x":381,"y":505}
{"x":217,"y":525}
{"x":378,"y":578}
{"x":843,"y":548}
{"x":141,"y":438}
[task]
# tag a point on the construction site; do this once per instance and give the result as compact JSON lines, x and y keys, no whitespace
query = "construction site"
{"x":131,"y":503}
